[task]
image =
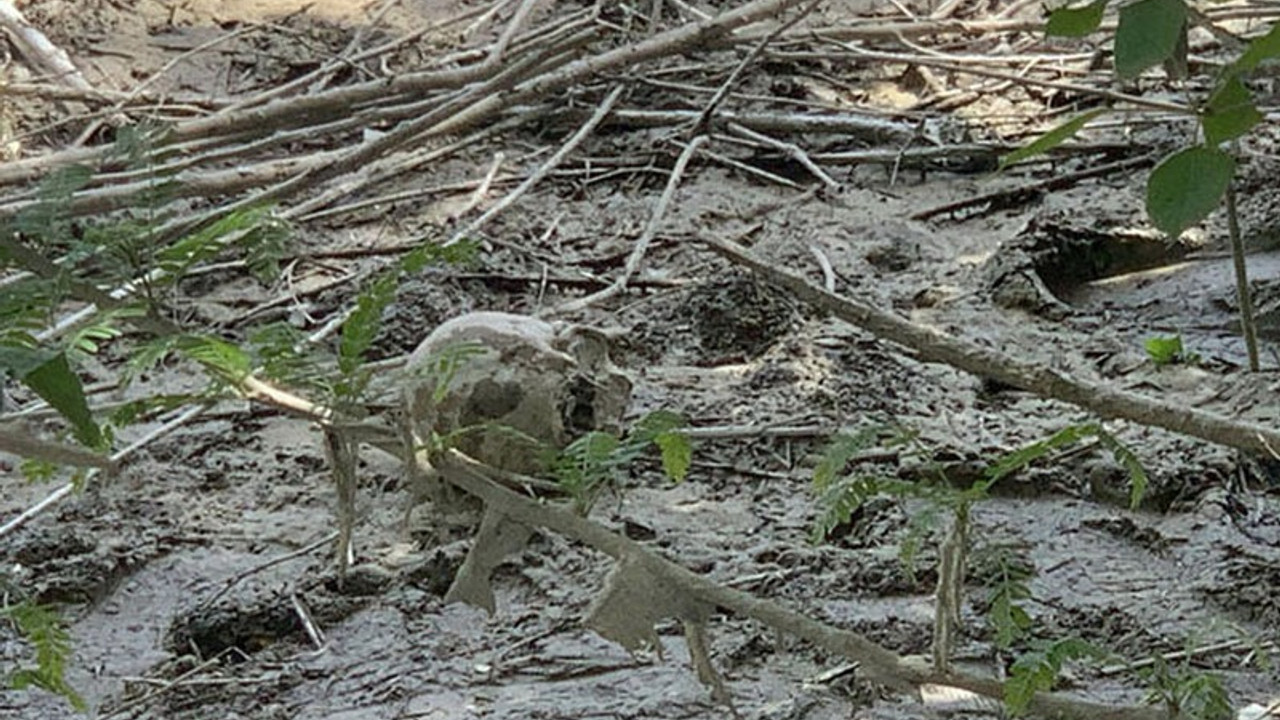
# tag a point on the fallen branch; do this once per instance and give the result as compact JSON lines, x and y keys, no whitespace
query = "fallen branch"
{"x":932,"y":345}
{"x":880,"y":664}
{"x":646,"y":238}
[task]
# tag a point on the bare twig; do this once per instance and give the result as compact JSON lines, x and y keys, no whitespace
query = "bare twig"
{"x":646,"y":238}
{"x":998,"y":199}
{"x":934,"y":346}
{"x":793,"y":151}
{"x":114,"y":461}
{"x":703,"y":123}
{"x":245,"y":574}
{"x":570,"y":145}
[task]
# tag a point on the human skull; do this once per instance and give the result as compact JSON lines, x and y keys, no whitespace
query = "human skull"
{"x":506,"y":388}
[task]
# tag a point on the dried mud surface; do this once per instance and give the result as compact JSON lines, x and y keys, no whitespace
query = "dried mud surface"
{"x":177,"y":614}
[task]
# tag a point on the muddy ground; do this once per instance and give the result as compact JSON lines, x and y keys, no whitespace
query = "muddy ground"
{"x":165,"y":572}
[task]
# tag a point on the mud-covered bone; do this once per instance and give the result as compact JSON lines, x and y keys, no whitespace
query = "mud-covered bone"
{"x":506,"y":388}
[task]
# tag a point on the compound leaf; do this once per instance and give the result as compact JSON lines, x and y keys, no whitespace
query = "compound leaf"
{"x":1049,"y":140}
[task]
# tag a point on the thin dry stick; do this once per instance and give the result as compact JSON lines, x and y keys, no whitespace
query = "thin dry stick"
{"x":314,"y":633}
{"x":316,"y":207}
{"x":509,"y":33}
{"x":164,"y":70}
{"x":482,"y":189}
{"x":38,"y":50}
{"x":570,"y":145}
{"x":1086,"y":90}
{"x":357,"y":38}
{"x":642,"y":245}
{"x":282,"y":90}
{"x":714,"y":104}
{"x":828,"y":272}
{"x":66,"y":489}
{"x":1247,"y":324}
{"x":1006,"y":198}
{"x":793,"y":151}
{"x":753,"y":170}
{"x":934,"y":346}
{"x":245,"y":574}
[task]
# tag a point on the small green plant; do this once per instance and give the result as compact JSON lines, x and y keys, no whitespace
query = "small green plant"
{"x":841,"y":494}
{"x":1037,"y":670}
{"x":1188,"y":693}
{"x":1007,"y":584}
{"x":1166,"y":350}
{"x":1021,"y":458}
{"x":591,"y":463}
{"x":42,"y":628}
{"x":1190,"y":183}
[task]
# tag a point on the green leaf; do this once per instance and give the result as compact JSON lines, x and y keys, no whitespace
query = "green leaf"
{"x":1260,"y":49}
{"x":1019,"y":690}
{"x":1229,"y":113}
{"x":463,"y":252}
{"x":1050,"y":140}
{"x":18,"y":360}
{"x":838,"y":501}
{"x":677,"y":454}
{"x":585,"y":465}
{"x":56,"y":383}
{"x":1037,"y":670}
{"x":843,"y":448}
{"x":43,"y":629}
{"x":1164,"y":349}
{"x":1187,"y":186}
{"x":50,"y":376}
{"x":216,"y":355}
{"x":1148,"y":34}
{"x":1128,"y":459}
{"x":1022,"y":457}
{"x":359,"y":331}
{"x":1076,"y":21}
{"x":45,"y":219}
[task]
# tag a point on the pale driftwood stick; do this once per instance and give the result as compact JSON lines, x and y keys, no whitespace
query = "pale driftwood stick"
{"x":346,"y":57}
{"x":672,"y":42}
{"x":642,"y":245}
{"x":316,"y":208}
{"x":485,"y":99}
{"x":492,"y":94}
{"x":17,"y":441}
{"x":295,"y":112}
{"x":790,"y":150}
{"x":164,"y":70}
{"x":704,"y":119}
{"x":509,"y":32}
{"x":880,"y":664}
{"x":114,"y":462}
{"x":210,"y":183}
{"x":104,"y":96}
{"x":861,"y":126}
{"x":38,"y":50}
{"x":551,"y":164}
{"x":933,"y":346}
{"x":968,"y":69}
